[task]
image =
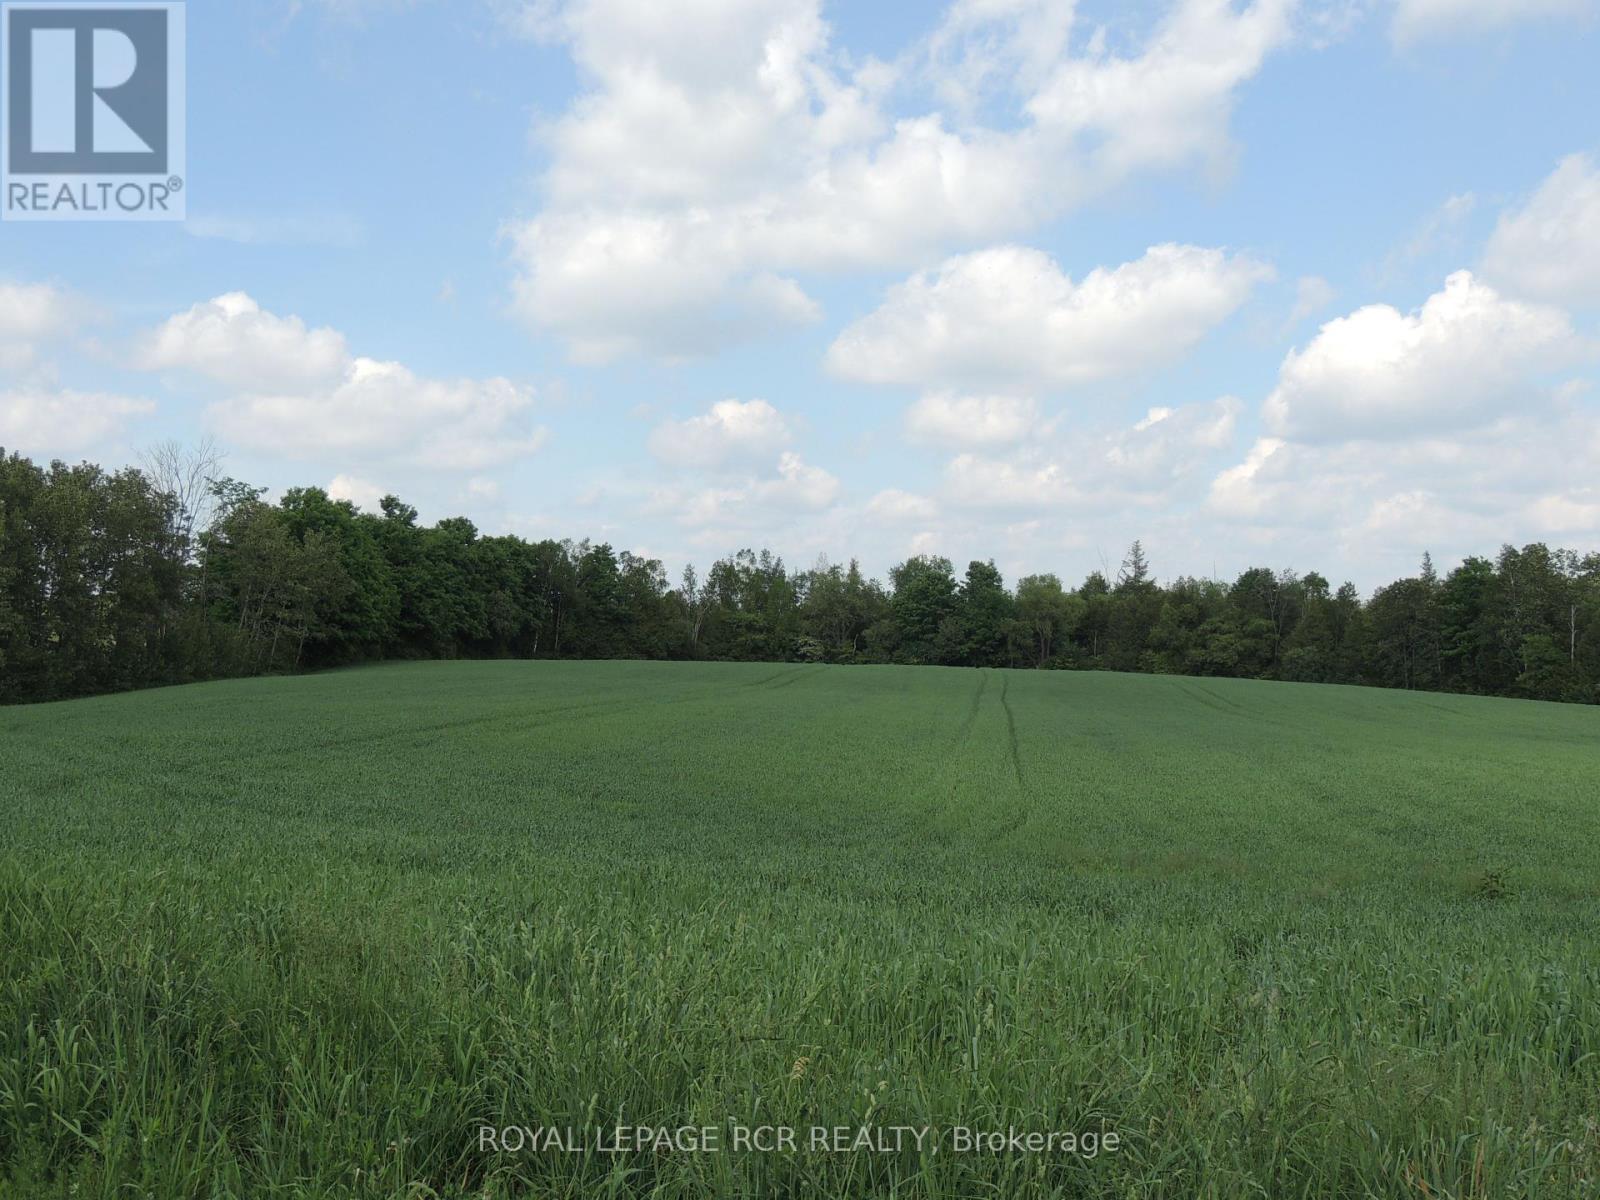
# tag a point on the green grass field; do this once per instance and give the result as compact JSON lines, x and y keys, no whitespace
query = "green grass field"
{"x":302,"y":937}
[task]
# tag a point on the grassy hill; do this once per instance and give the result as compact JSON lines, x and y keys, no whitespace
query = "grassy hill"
{"x":303,"y":936}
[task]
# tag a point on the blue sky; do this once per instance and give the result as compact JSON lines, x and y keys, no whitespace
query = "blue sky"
{"x":1307,"y":284}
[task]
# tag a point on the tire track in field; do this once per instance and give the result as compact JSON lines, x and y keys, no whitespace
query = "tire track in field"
{"x":1011,"y":730}
{"x":515,"y":720}
{"x":1009,"y":817}
{"x":787,"y":676}
{"x":972,"y":714}
{"x":1210,"y":699}
{"x":790,"y":677}
{"x":965,"y":733}
{"x":1452,"y":712}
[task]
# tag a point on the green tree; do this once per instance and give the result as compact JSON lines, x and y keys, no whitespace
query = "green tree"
{"x":1134,"y":610}
{"x":985,"y":612}
{"x":1310,"y":653}
{"x":1049,"y":613}
{"x":1094,"y":628}
{"x":924,"y":600}
{"x":124,"y":579}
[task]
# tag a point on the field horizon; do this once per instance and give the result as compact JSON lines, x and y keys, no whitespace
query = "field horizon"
{"x":309,"y":935}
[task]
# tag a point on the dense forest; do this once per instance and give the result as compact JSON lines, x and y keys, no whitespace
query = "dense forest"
{"x":169,"y":574}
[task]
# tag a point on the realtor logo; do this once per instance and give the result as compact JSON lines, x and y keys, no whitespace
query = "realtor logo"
{"x":93,"y":125}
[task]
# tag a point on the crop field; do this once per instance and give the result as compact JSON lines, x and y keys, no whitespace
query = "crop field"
{"x":308,"y":937}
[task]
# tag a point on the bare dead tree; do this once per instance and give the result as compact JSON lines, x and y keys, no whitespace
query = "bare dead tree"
{"x":185,"y":473}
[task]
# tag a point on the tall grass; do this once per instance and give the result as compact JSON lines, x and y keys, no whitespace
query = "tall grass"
{"x":304,"y":937}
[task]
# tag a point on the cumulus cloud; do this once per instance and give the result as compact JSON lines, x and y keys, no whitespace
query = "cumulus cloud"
{"x":723,"y":150}
{"x":299,"y":392}
{"x":753,"y":503}
{"x":1518,"y":478}
{"x":40,"y":419}
{"x":972,"y":420}
{"x":359,"y":492}
{"x":1415,"y":20}
{"x":1240,"y":491}
{"x":799,"y":484}
{"x":1550,"y":248}
{"x":383,"y":410}
{"x":1442,"y":429}
{"x":1028,"y":482}
{"x":1577,"y":511}
{"x":1170,"y":104}
{"x":37,"y":414}
{"x":1170,"y":443}
{"x":1151,"y":462}
{"x":741,"y":480}
{"x":234,"y":341}
{"x":894,"y":506}
{"x":1467,"y":354}
{"x":31,"y":314}
{"x":731,"y":430}
{"x":34,"y":311}
{"x":1008,"y":318}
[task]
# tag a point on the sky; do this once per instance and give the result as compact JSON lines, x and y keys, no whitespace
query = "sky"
{"x":1308,"y":284}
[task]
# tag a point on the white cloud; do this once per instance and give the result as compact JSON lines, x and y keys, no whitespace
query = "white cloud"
{"x":299,"y":392}
{"x":1029,"y":481}
{"x":382,"y":410}
{"x":1467,"y":354}
{"x":1442,"y":429}
{"x":1170,"y":104}
{"x":37,"y":415}
{"x":30,"y":314}
{"x":987,"y":46}
{"x":359,"y":492}
{"x":1168,"y":444}
{"x":34,"y":311}
{"x":1312,"y":294}
{"x":724,"y":148}
{"x":1239,"y":490}
{"x":972,"y":420}
{"x":1415,"y":20}
{"x":754,"y":504}
{"x":1578,"y":511}
{"x":1520,"y":478}
{"x":50,"y":420}
{"x":1152,"y":462}
{"x":1008,"y":319}
{"x":234,"y":341}
{"x":798,"y":484}
{"x":641,"y":284}
{"x":893,"y":506}
{"x":729,"y":430}
{"x":1550,"y":248}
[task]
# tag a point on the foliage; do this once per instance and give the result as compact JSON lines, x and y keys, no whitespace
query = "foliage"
{"x":112,"y":582}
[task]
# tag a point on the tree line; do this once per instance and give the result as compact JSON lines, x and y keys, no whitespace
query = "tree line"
{"x":170,"y":574}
